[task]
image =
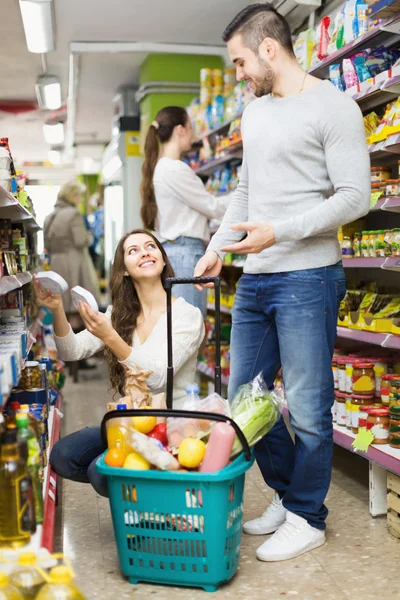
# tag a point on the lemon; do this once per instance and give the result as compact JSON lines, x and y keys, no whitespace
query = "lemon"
{"x":191,"y":453}
{"x":137,"y":462}
{"x":144,"y":424}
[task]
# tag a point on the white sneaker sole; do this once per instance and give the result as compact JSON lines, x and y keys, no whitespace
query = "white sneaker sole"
{"x":277,"y":557}
{"x":249,"y":531}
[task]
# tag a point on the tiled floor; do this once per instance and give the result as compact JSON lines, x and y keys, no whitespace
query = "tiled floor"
{"x":360,"y":559}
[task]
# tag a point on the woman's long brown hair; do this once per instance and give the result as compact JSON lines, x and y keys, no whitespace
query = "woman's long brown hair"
{"x":167,"y":119}
{"x":126,"y":305}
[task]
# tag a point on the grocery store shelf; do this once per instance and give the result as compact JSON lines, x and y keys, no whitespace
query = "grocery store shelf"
{"x":383,"y":149}
{"x":217,"y":130}
{"x":385,"y":33}
{"x":234,"y":152}
{"x":50,"y":481}
{"x":8,"y":283}
{"x":390,"y":204}
{"x":209,"y":372}
{"x":11,"y":209}
{"x":383,"y":9}
{"x":224,"y":309}
{"x":381,"y":89}
{"x":383,"y":455}
{"x":391,"y":263}
{"x":386,"y":340}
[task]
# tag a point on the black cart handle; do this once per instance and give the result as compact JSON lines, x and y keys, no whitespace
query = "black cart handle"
{"x":170,"y":366}
{"x":185,"y":414}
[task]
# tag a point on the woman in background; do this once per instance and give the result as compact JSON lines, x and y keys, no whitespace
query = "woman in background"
{"x":175,"y":203}
{"x":67,"y":240}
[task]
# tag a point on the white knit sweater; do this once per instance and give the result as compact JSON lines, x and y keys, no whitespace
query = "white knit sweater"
{"x":187,"y":335}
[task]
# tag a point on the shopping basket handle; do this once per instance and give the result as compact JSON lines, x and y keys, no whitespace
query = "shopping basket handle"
{"x":185,"y":414}
{"x":190,"y":280}
{"x":171,"y":281}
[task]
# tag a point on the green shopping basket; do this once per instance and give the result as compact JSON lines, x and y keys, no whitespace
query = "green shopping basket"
{"x":178,"y":528}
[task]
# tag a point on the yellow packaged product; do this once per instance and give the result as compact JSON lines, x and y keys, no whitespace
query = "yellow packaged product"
{"x":389,"y":310}
{"x":384,"y":128}
{"x":371,"y":123}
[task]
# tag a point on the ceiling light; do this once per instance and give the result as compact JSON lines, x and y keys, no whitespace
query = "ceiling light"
{"x":37,"y":19}
{"x":54,"y":133}
{"x":55,"y":157}
{"x":48,"y":92}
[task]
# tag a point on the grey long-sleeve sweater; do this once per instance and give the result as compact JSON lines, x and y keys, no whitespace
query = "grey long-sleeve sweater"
{"x":306,"y":170}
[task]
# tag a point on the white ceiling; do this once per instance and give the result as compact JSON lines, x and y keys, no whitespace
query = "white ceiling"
{"x":172,"y":21}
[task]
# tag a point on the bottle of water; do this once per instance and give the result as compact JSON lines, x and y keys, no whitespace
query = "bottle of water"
{"x":192,"y":397}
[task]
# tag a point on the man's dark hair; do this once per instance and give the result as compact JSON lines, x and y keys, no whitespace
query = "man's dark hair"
{"x":257,"y":22}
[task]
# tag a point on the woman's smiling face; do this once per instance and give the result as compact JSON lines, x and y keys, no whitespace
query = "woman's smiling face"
{"x":143,"y":259}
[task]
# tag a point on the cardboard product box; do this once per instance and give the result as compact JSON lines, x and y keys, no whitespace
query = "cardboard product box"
{"x":367,"y":322}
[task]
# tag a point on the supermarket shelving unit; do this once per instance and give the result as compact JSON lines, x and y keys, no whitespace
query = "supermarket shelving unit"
{"x":369,"y":95}
{"x":10,"y":208}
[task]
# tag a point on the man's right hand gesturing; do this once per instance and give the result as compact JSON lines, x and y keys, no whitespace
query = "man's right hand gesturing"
{"x":209,"y":265}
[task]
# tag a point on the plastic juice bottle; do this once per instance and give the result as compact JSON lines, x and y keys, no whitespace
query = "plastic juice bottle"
{"x":15,"y":514}
{"x":60,"y":587}
{"x":7,"y":591}
{"x":116,"y":432}
{"x":26,"y":577}
{"x":33,"y":461}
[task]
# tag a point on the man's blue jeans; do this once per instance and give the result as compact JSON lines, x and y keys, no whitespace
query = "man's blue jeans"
{"x":74,"y":457}
{"x":289,"y":320}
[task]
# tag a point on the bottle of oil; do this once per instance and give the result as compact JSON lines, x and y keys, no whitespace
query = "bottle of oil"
{"x":7,"y":591}
{"x":25,"y":434}
{"x":23,"y":457}
{"x":61,"y":586}
{"x":26,"y":577}
{"x":15,"y":518}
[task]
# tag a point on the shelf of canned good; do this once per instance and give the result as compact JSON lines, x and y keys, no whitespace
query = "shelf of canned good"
{"x":12,"y":209}
{"x":391,"y":263}
{"x":383,"y":455}
{"x":50,"y":480}
{"x":386,"y":340}
{"x":9,"y":283}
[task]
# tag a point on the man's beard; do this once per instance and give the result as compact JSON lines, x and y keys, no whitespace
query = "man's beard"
{"x":266,"y":80}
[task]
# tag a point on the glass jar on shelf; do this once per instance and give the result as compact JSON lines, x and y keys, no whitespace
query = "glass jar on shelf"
{"x":341,"y":365}
{"x":347,"y":247}
{"x":372,"y":242}
{"x":363,"y":412}
{"x":357,"y":403}
{"x":363,"y":378}
{"x":395,"y":242}
{"x":357,"y":245}
{"x":388,"y":242}
{"x":31,"y":376}
{"x":380,"y":244}
{"x":385,"y":389}
{"x":394,"y":427}
{"x":378,"y":423}
{"x":347,"y":401}
{"x":340,"y":400}
{"x":365,"y":244}
{"x":392,"y":187}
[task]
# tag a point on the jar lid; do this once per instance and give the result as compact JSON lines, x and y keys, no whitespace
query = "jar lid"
{"x":340,"y":395}
{"x":387,"y":377}
{"x":382,"y":168}
{"x":341,"y":361}
{"x":391,"y":181}
{"x":364,"y":365}
{"x":395,"y":410}
{"x":378,"y":412}
{"x":31,"y":364}
{"x":359,"y":397}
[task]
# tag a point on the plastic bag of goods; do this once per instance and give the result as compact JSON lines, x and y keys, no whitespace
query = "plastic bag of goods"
{"x":256,"y":410}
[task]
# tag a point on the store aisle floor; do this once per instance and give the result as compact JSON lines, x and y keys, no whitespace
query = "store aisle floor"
{"x":359,"y":560}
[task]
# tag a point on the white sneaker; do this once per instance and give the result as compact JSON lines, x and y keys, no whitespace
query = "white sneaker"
{"x":270,"y":521}
{"x":293,"y":538}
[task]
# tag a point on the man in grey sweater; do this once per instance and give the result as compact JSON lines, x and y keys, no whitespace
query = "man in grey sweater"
{"x":306,"y":171}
